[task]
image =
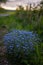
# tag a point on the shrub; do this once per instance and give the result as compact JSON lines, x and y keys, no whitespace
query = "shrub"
{"x":20,"y":46}
{"x":2,"y":10}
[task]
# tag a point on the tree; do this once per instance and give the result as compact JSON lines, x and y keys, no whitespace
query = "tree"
{"x":2,"y":1}
{"x":41,"y":7}
{"x":41,"y":4}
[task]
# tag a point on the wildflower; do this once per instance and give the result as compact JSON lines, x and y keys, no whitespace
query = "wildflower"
{"x":17,"y":40}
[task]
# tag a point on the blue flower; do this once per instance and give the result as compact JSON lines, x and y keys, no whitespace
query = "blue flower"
{"x":18,"y":40}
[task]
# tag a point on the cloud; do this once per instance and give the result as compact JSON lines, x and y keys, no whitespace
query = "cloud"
{"x":13,"y":3}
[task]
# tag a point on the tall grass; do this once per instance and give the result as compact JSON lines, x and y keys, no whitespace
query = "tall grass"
{"x":31,"y":21}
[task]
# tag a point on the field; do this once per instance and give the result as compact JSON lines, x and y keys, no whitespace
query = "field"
{"x":28,"y":21}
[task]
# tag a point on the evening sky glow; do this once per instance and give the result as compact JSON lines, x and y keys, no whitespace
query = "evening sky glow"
{"x":12,"y":4}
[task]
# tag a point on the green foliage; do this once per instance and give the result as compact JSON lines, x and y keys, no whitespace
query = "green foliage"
{"x":27,"y":20}
{"x":2,"y":10}
{"x":41,"y":2}
{"x":3,"y":1}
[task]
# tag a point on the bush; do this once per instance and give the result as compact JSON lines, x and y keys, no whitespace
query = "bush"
{"x":20,"y":47}
{"x":2,"y":10}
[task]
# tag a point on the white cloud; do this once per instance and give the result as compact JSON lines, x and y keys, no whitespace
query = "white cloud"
{"x":15,"y":3}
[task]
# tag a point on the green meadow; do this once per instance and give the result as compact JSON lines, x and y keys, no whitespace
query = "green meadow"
{"x":28,"y":21}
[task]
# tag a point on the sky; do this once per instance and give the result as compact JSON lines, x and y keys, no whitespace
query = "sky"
{"x":31,"y":1}
{"x":12,"y":4}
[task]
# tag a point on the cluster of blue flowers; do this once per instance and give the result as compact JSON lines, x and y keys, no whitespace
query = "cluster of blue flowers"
{"x":17,"y":41}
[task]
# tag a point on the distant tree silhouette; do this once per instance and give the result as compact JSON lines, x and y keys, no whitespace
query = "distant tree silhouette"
{"x":2,"y":1}
{"x":41,"y":3}
{"x":41,"y":7}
